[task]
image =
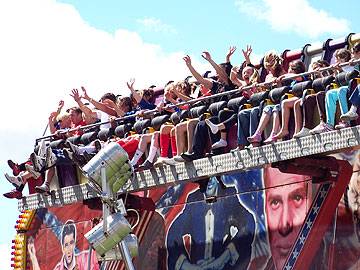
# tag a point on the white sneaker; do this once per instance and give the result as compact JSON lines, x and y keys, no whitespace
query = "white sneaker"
{"x":321,"y":128}
{"x":349,"y":116}
{"x":179,"y":158}
{"x":16,"y":181}
{"x":219,"y":144}
{"x":37,"y":162}
{"x":169,"y":161}
{"x":31,"y":170}
{"x":342,"y":124}
{"x":214,"y":128}
{"x":159,"y":161}
{"x":302,"y":133}
{"x":42,"y":149}
{"x":50,"y":158}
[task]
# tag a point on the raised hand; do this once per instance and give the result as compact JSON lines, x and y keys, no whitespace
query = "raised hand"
{"x":247,"y":53}
{"x":75,"y":95}
{"x":52,"y":116}
{"x":60,"y":105}
{"x":206,"y":56}
{"x":231,"y":51}
{"x":84,"y":95}
{"x":235,"y":69}
{"x":130,"y":84}
{"x":187,"y":60}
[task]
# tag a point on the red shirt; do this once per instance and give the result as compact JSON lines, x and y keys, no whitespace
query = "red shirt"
{"x":78,"y":132}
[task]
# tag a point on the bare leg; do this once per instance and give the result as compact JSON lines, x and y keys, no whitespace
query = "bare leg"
{"x":264,"y":120}
{"x":298,"y":116}
{"x":50,"y":173}
{"x":180,"y":133}
{"x":286,"y":106}
{"x":145,"y":139}
{"x":25,"y":176}
{"x":276,"y":123}
{"x":191,"y":124}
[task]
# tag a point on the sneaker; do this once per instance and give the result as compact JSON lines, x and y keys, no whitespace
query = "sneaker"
{"x":159,"y":161}
{"x":14,"y":194}
{"x":302,"y":133}
{"x":349,"y":116}
{"x":50,"y":158}
{"x":256,"y":138}
{"x":272,"y":138}
{"x":321,"y":128}
{"x":169,"y":161}
{"x":342,"y":124}
{"x":44,"y":188}
{"x":98,"y":145}
{"x":42,"y":149}
{"x":179,"y":158}
{"x":147,"y":165}
{"x":188,"y":157}
{"x":238,"y":148}
{"x":219,"y":144}
{"x":16,"y":181}
{"x":31,"y":170}
{"x":14,"y":166}
{"x":37,"y":162}
{"x":214,"y":128}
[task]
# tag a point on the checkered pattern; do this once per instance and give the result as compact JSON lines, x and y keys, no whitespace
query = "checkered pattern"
{"x":334,"y":141}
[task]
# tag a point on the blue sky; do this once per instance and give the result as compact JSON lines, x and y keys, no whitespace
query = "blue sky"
{"x":49,"y":47}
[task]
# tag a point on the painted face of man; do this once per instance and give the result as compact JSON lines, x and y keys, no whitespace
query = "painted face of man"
{"x":68,"y":248}
{"x":286,"y":207}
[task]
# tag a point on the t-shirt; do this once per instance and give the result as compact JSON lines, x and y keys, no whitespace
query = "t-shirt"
{"x":103,"y":117}
{"x":78,"y":132}
{"x":144,"y":105}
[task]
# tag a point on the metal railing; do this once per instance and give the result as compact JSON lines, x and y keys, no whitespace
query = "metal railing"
{"x":234,"y":91}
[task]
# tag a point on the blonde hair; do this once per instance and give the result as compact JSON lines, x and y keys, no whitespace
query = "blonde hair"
{"x":272,"y":59}
{"x":255,"y":76}
{"x":62,"y":116}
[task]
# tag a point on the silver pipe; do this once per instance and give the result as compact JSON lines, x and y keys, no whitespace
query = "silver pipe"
{"x":125,"y":255}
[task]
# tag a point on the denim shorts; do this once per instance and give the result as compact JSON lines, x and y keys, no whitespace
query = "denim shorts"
{"x":269,"y":109}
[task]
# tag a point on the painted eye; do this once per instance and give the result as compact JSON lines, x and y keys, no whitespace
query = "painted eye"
{"x":275,"y":203}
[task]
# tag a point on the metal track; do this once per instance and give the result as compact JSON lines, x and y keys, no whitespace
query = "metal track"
{"x":329,"y":142}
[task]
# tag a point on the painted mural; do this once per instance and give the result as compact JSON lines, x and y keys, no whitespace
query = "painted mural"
{"x":247,"y":220}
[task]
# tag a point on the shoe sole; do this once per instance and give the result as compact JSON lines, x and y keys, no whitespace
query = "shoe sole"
{"x":12,"y":197}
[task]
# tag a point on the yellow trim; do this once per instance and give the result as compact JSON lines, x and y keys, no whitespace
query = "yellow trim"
{"x":268,"y":102}
{"x":334,"y":86}
{"x":20,"y":251}
{"x":151,"y":130}
{"x":310,"y":91}
{"x":247,"y":106}
{"x":357,"y":80}
{"x":289,"y":95}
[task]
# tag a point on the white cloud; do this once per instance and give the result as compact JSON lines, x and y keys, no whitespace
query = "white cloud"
{"x":156,"y":25}
{"x":5,"y":261}
{"x":47,"y":49}
{"x":294,"y":16}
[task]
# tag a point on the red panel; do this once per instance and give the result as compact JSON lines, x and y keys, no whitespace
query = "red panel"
{"x":290,"y":56}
